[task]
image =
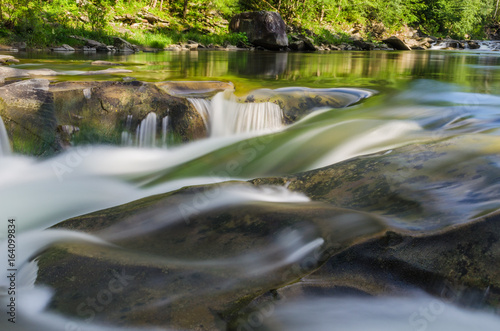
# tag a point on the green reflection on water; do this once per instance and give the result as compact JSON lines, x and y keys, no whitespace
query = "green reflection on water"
{"x":251,"y":70}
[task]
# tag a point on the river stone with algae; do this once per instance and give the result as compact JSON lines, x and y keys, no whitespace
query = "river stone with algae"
{"x":35,"y":112}
{"x":196,"y":272}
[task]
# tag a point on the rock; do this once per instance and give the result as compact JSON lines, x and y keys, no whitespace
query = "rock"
{"x":473,"y":44}
{"x":263,"y":28}
{"x":105,"y":63}
{"x":192,"y":47}
{"x":195,"y":295}
{"x":6,"y":72}
{"x":63,"y":48}
{"x":397,"y":43}
{"x":109,"y":71}
{"x":94,"y":44}
{"x":127,"y":18}
{"x":195,"y":88}
{"x":124,"y":46}
{"x":27,"y":108}
{"x":6,"y":59}
{"x":297,"y":102}
{"x":34,"y":110}
{"x":363,"y":45}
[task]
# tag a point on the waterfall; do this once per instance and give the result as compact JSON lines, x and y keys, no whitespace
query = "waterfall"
{"x":164,"y":124}
{"x":228,"y":117}
{"x":146,"y":131}
{"x":204,"y":108}
{"x":126,"y":135}
{"x":4,"y":140}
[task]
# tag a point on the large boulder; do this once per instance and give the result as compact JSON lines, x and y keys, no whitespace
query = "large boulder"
{"x":263,"y":28}
{"x":397,"y":43}
{"x":233,"y":256}
{"x":42,"y":118}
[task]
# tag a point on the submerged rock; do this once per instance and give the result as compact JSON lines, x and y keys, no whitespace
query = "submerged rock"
{"x":263,"y":28}
{"x":195,"y":269}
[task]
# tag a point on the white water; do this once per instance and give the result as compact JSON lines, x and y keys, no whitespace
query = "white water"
{"x":204,"y":108}
{"x":229,"y":117}
{"x":126,"y":134}
{"x":4,"y":140}
{"x":418,"y":312}
{"x":164,"y":126}
{"x":146,"y":131}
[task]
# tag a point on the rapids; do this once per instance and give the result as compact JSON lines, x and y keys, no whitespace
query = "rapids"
{"x":247,"y":141}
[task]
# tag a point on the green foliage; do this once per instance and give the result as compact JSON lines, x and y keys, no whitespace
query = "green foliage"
{"x":456,"y":18}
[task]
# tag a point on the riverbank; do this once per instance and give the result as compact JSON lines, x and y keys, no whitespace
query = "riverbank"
{"x":149,"y":28}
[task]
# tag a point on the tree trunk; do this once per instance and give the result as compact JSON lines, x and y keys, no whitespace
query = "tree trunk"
{"x":184,"y":13}
{"x":1,"y":14}
{"x":496,"y":11}
{"x":153,"y":3}
{"x":161,"y":5}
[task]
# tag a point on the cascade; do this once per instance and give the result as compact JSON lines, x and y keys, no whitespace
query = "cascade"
{"x":146,"y":131}
{"x":164,"y":124}
{"x":126,"y":135}
{"x":4,"y":140}
{"x":204,"y":108}
{"x":228,"y":117}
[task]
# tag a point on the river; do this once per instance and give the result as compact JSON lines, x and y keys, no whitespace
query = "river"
{"x":232,"y":256}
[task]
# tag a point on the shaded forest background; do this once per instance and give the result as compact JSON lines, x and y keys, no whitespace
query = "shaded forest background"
{"x":50,"y":22}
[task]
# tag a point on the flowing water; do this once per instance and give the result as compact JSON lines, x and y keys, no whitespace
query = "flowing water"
{"x":416,"y":103}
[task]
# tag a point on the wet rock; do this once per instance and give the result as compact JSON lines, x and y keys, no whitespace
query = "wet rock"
{"x":6,"y":59}
{"x":473,"y":44}
{"x":34,"y":109}
{"x":263,"y":28}
{"x":221,"y":277}
{"x":105,"y":63}
{"x":298,"y":102}
{"x":195,"y":88}
{"x":397,"y":43}
{"x":27,"y":108}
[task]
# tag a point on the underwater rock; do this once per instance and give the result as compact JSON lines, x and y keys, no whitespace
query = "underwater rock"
{"x":191,"y":270}
{"x":194,"y":88}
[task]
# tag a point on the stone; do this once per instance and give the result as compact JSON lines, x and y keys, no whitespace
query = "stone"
{"x":397,"y":43}
{"x":105,"y":63}
{"x":263,"y":28}
{"x":296,"y":102}
{"x":63,"y":48}
{"x":194,"y":88}
{"x":122,"y":45}
{"x":473,"y":44}
{"x":250,"y":226}
{"x":27,"y":109}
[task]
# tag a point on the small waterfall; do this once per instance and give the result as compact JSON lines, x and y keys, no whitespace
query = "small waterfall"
{"x":126,"y":135}
{"x":146,"y":131}
{"x":204,"y":108}
{"x":164,"y":124}
{"x":4,"y":140}
{"x":231,"y":117}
